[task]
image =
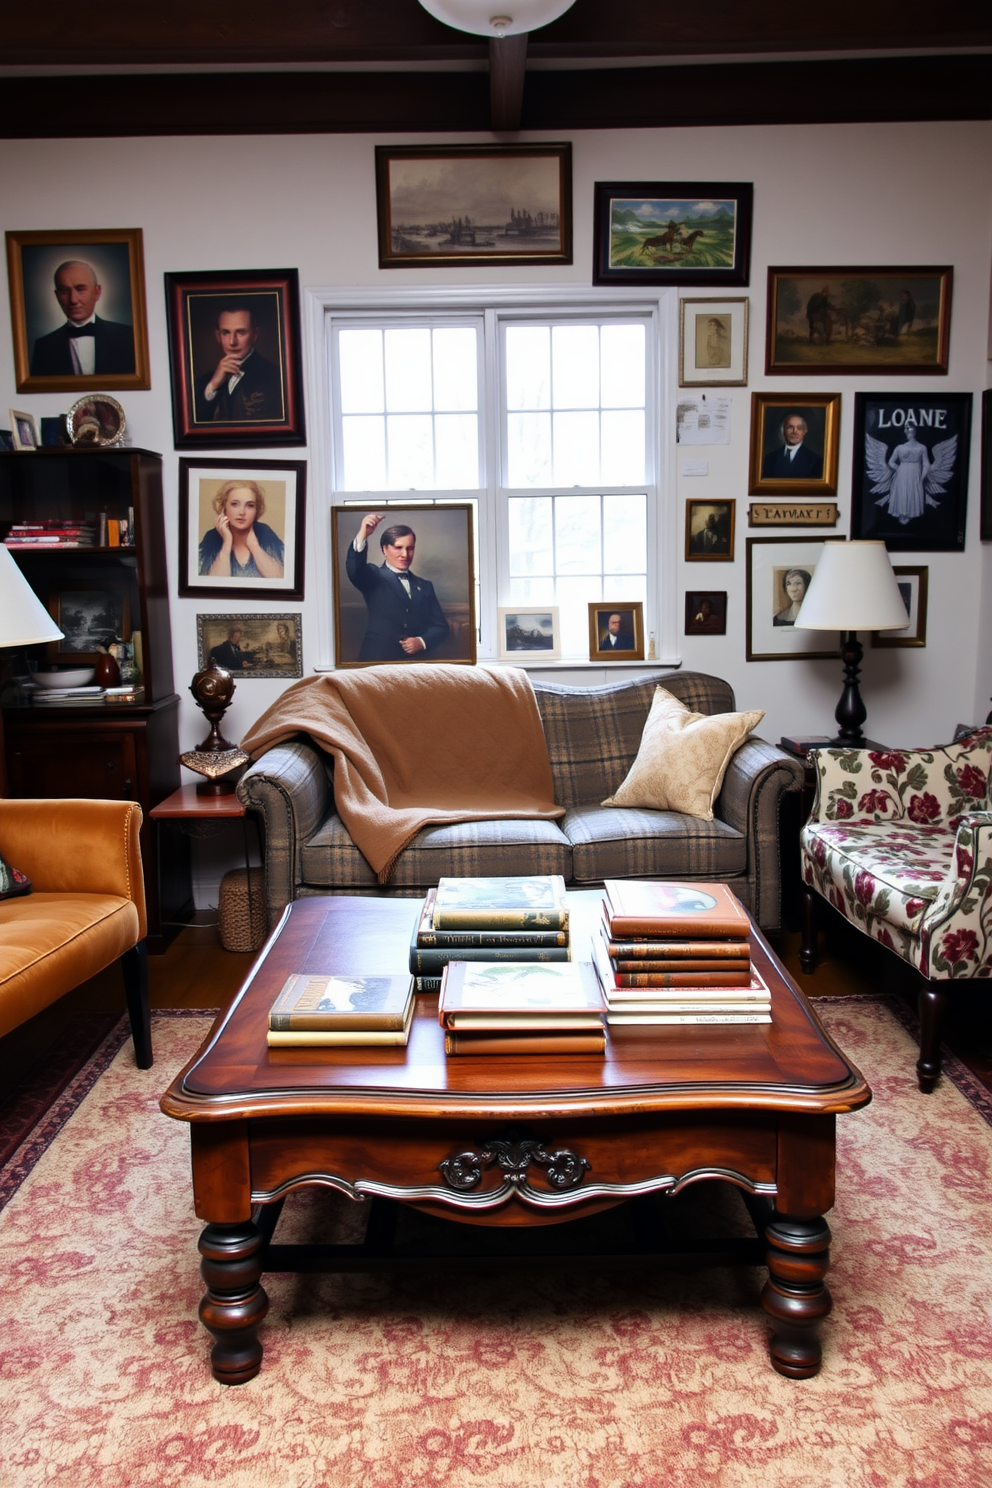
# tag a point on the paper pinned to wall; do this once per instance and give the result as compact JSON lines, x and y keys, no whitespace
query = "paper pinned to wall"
{"x":703,"y":419}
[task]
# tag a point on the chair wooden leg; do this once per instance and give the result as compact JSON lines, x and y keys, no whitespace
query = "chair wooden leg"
{"x":810,"y":928}
{"x":934,"y":1001}
{"x":134,"y":965}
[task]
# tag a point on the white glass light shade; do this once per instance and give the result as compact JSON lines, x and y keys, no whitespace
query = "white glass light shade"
{"x":853,"y":588}
{"x":24,"y":621}
{"x":496,"y":17}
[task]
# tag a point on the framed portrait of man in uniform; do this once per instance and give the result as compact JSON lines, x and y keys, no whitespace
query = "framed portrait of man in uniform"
{"x":234,"y":349}
{"x":77,"y":310}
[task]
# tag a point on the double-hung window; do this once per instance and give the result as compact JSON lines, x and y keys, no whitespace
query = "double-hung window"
{"x":542,"y":420}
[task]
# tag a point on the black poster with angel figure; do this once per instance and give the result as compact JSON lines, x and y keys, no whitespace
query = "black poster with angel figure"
{"x":910,"y":484}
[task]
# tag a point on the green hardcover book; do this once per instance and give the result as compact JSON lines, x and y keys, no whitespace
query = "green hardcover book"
{"x":432,"y":961}
{"x":518,"y":903}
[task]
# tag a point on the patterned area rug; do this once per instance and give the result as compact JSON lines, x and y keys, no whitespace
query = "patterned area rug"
{"x":562,"y":1378}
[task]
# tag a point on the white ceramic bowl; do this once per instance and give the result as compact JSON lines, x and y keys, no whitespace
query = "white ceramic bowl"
{"x":73,"y":677}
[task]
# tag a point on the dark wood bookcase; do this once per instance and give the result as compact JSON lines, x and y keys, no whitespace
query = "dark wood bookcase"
{"x":117,"y":751}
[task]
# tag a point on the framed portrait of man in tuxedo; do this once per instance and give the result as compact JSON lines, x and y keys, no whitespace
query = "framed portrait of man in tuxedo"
{"x":77,"y":310}
{"x":795,"y":444}
{"x":234,"y":350}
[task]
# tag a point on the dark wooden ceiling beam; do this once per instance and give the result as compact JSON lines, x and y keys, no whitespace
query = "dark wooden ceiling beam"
{"x":895,"y":89}
{"x":507,"y":72}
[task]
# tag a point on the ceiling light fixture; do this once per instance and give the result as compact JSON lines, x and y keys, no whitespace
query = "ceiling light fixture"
{"x":474,"y":15}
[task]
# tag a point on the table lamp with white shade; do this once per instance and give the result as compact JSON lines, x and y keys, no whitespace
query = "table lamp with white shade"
{"x":853,"y":588}
{"x":24,"y":621}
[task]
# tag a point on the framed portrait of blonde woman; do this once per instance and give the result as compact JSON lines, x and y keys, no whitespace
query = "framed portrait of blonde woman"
{"x":241,"y":528}
{"x":713,"y":342}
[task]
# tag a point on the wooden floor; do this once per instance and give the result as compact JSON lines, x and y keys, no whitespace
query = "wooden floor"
{"x":196,"y":972}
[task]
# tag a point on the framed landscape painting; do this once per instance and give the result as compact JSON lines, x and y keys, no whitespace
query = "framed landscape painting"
{"x":528,"y":631}
{"x":851,"y":321}
{"x":672,"y":232}
{"x":910,"y":478}
{"x":445,"y":205}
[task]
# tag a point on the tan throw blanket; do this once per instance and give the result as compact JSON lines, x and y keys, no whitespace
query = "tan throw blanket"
{"x":419,"y":746}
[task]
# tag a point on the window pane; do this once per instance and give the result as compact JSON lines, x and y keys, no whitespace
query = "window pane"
{"x":623,"y":448}
{"x":528,"y":367}
{"x":573,"y":597}
{"x":409,"y":385}
{"x":577,"y":540}
{"x":531,"y":540}
{"x":624,"y":535}
{"x":360,"y":367}
{"x":575,"y":366}
{"x":576,"y":449}
{"x":456,"y":370}
{"x":456,"y":443}
{"x":528,"y":439}
{"x":622,"y":350}
{"x":532,"y":591}
{"x":411,"y":451}
{"x":364,"y":451}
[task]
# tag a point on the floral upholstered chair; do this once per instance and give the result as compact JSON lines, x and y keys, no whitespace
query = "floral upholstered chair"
{"x":900,"y":842}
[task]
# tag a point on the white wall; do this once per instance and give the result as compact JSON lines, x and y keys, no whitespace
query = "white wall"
{"x":823,"y":195}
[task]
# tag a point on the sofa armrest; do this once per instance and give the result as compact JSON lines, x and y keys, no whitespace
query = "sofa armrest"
{"x":291,"y":789}
{"x":76,"y":847}
{"x":956,"y":929}
{"x":750,"y":800}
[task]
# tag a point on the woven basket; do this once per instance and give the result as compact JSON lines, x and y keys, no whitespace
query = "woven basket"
{"x":238,"y":931}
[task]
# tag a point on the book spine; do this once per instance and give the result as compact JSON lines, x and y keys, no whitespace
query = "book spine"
{"x":666,"y":1020}
{"x":677,"y":979}
{"x":333,"y":1023}
{"x":578,"y":1043}
{"x":428,"y":984}
{"x":304,"y":1039}
{"x":680,"y":950}
{"x":452,"y":939}
{"x":685,"y":966}
{"x":499,"y":919}
{"x":428,"y":961}
{"x":626,"y":927}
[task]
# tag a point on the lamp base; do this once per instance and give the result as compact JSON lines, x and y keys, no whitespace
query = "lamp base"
{"x":851,"y":711}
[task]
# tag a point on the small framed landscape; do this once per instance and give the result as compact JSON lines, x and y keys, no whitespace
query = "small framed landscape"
{"x":858,"y":321}
{"x":241,"y":528}
{"x":795,"y":444}
{"x":706,"y":612}
{"x":672,"y":232}
{"x":910,"y":480}
{"x":529,"y":631}
{"x":445,"y":205}
{"x":779,"y":571}
{"x":912,"y":583}
{"x":251,"y":645}
{"x":616,"y":632}
{"x":90,"y":620}
{"x":713,"y":342}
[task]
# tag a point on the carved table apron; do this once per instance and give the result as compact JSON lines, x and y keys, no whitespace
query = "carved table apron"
{"x":502,"y":1140}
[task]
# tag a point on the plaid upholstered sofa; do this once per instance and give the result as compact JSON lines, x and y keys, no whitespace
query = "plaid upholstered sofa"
{"x":593,"y":734}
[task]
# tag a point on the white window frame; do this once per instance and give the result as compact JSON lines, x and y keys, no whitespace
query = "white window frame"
{"x":426,"y":304}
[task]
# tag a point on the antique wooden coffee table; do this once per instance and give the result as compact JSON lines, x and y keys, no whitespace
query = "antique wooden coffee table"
{"x":503,"y":1141}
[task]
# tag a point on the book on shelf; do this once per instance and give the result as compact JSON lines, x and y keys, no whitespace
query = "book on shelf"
{"x":91,"y":694}
{"x":520,"y":992}
{"x":342,"y":1038}
{"x":536,"y":902}
{"x":427,"y":936}
{"x":459,"y":1042}
{"x":660,"y":908}
{"x":342,"y":1004}
{"x":801,"y":744}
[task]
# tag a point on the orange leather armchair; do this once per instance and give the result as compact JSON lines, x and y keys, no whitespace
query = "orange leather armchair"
{"x":86,"y":910}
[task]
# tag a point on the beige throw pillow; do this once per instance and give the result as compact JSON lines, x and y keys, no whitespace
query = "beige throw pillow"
{"x":682,"y":757}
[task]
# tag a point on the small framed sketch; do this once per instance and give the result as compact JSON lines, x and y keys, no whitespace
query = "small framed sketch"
{"x":706,"y":612}
{"x":779,"y":571}
{"x":713,"y":343}
{"x":241,"y":528}
{"x":709,"y":531}
{"x":912,"y":583}
{"x":616,"y":632}
{"x":529,"y":631}
{"x":23,"y":430}
{"x":910,"y":480}
{"x":795,"y":444}
{"x":251,"y":645}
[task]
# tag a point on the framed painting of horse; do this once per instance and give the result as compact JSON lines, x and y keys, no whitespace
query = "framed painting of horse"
{"x":849,"y":321}
{"x":680,"y":232}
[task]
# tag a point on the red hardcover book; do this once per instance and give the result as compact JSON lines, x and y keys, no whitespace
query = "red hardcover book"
{"x":661,"y":909}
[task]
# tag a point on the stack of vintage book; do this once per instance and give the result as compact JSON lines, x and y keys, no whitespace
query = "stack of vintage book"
{"x":547,"y":1008}
{"x":52,"y":532}
{"x":490,"y":919}
{"x":675,"y":953}
{"x":341,"y":1010}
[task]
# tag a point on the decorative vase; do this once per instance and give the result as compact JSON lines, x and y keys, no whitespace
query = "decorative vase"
{"x":107,"y":673}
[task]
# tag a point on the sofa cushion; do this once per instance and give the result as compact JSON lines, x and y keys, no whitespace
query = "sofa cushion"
{"x":479,"y":849}
{"x":611,"y":842}
{"x":593,"y":733}
{"x":883,"y":871}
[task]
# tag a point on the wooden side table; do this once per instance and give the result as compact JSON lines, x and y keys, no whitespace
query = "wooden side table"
{"x":186,"y":804}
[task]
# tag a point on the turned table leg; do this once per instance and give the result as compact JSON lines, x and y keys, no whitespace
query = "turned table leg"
{"x":794,"y":1296}
{"x":234,"y":1303}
